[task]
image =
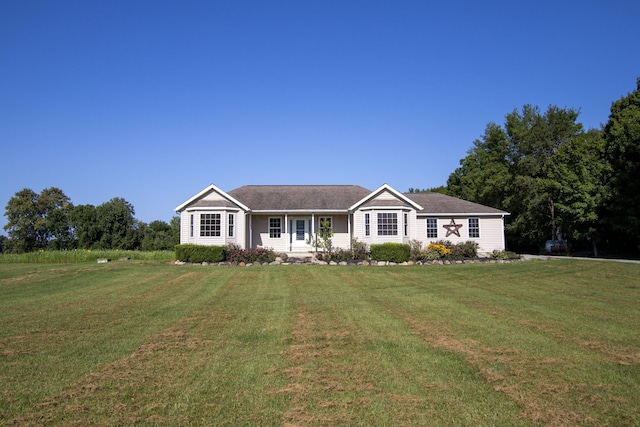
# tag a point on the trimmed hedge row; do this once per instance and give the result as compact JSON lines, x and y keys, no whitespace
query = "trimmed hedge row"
{"x":393,"y":252}
{"x":199,"y":253}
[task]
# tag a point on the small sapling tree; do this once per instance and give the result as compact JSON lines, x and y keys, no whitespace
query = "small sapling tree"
{"x":322,"y":239}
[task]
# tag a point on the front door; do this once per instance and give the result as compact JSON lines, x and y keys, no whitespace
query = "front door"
{"x":299,"y":233}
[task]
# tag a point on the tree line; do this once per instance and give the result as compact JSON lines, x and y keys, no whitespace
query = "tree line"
{"x":49,"y":220}
{"x":558,"y":180}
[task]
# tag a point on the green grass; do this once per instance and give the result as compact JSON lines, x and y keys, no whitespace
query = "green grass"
{"x":83,"y":255}
{"x":145,"y":342}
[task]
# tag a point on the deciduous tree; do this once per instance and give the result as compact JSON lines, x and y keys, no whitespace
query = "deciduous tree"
{"x":37,"y":221}
{"x":116,"y":224}
{"x":622,"y":136}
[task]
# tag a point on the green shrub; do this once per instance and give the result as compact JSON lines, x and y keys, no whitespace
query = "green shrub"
{"x":234,"y":253}
{"x":431,"y":254}
{"x":447,"y":249}
{"x":199,"y":253}
{"x":359,"y":250}
{"x":417,"y":254}
{"x":469,"y":249}
{"x":440,"y":248}
{"x":457,"y":252}
{"x":336,"y":255}
{"x":394,"y":252}
{"x":504,"y":255}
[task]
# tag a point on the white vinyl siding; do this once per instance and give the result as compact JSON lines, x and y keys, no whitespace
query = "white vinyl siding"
{"x":339,"y":223}
{"x":211,"y":227}
{"x":491,"y":232}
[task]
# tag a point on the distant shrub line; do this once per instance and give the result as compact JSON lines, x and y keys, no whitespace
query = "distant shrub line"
{"x":83,"y":255}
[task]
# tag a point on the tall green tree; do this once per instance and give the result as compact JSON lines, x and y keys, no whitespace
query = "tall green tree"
{"x":54,"y":228}
{"x":534,"y":140}
{"x":116,"y":225}
{"x":37,"y":221}
{"x":524,"y":167}
{"x":85,"y":227}
{"x":442,"y":189}
{"x":484,"y":175}
{"x":175,"y":230}
{"x":22,"y":214}
{"x":575,"y":180}
{"x":622,"y":152}
{"x":158,"y":235}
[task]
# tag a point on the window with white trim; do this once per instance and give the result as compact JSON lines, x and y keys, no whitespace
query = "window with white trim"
{"x":210,"y":225}
{"x":231,"y":224}
{"x":275,"y":227}
{"x":387,"y":224}
{"x":406,"y":224}
{"x":367,"y":224}
{"x":325,"y":221}
{"x":191,"y":226}
{"x":474,"y":228}
{"x":432,"y":228}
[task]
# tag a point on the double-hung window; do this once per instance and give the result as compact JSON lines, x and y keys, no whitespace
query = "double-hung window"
{"x":191,"y":225}
{"x":367,"y":224}
{"x":474,"y":228}
{"x":325,"y":225}
{"x":387,"y":224}
{"x":210,"y":225}
{"x":432,"y":228}
{"x":231,"y":224}
{"x":406,"y":224}
{"x":275,"y":227}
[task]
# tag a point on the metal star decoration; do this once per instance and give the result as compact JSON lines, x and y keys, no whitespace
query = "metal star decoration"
{"x":453,"y":228}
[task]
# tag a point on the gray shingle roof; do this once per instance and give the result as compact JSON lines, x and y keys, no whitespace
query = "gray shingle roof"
{"x":335,"y":198}
{"x":299,"y":197}
{"x":440,"y":203}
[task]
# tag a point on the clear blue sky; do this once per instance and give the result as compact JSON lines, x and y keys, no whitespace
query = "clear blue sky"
{"x":152,"y":101}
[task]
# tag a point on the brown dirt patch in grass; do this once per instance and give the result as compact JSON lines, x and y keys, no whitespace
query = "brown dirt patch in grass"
{"x":619,"y":353}
{"x":520,"y":377}
{"x":318,"y":380}
{"x":523,"y":378}
{"x":125,"y":387}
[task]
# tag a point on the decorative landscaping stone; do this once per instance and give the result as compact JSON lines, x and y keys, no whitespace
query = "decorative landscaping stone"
{"x":314,"y":261}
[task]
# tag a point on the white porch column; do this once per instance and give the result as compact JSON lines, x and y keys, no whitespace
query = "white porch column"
{"x":286,"y":232}
{"x":250,"y":231}
{"x":349,"y":219}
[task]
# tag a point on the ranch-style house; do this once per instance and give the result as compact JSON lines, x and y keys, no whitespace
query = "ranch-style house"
{"x":284,"y":217}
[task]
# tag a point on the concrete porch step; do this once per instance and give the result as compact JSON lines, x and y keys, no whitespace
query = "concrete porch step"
{"x":298,"y":254}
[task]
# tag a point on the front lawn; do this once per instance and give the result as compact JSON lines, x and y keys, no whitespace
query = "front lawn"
{"x":145,"y":342}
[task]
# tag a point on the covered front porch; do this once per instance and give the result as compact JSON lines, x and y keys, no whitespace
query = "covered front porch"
{"x":294,"y":232}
